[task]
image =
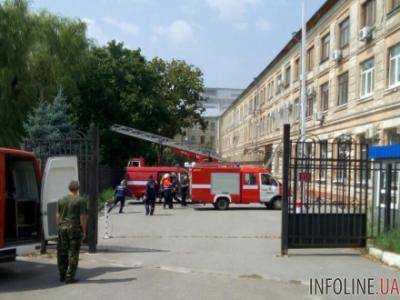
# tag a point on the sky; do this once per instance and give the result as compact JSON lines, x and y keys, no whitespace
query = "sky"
{"x":231,"y":41}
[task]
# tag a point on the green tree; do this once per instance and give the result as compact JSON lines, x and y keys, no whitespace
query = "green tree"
{"x":121,"y":86}
{"x":38,"y":53}
{"x":50,"y":121}
{"x":16,"y":41}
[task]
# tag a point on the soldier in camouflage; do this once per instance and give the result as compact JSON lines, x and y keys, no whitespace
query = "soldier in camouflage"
{"x":71,"y":219}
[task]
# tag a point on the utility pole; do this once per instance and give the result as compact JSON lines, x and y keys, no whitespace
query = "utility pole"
{"x":303,"y":72}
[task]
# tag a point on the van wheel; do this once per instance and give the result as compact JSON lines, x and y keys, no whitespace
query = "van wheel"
{"x":222,"y":203}
{"x":268,"y":205}
{"x":277,"y":204}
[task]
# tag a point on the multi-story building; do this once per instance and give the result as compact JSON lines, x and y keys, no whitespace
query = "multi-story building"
{"x":217,"y":101}
{"x":353,"y":84}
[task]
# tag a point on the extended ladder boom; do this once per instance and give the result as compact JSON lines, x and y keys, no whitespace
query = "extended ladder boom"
{"x":161,"y":140}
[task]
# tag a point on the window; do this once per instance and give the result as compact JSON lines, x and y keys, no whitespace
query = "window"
{"x":343,"y":81}
{"x":250,"y":179}
{"x":344,"y":33}
{"x":279,"y":84}
{"x":266,"y":179}
{"x":394,"y":66}
{"x":296,"y":110}
{"x":324,"y":156}
{"x":393,"y":4}
{"x":368,"y":13}
{"x":342,"y":164}
{"x":367,"y":78}
{"x":324,"y":92}
{"x":287,"y":76}
{"x":270,"y":90}
{"x":296,"y":70}
{"x":310,"y":59}
{"x":202,"y":139}
{"x":310,"y":106}
{"x":325,"y":45}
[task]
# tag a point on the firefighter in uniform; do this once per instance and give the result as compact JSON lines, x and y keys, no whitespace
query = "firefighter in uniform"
{"x":151,"y":192}
{"x":184,"y":189}
{"x":71,"y":219}
{"x":120,"y":193}
{"x":166,"y":186}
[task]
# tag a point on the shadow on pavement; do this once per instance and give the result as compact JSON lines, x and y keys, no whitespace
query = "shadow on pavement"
{"x":29,"y":276}
{"x":122,"y":249}
{"x":230,"y":208}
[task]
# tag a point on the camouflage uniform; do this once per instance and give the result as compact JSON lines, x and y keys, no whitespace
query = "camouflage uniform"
{"x":69,"y":235}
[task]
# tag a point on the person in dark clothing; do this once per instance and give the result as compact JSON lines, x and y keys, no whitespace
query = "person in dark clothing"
{"x":151,"y":193}
{"x":184,"y":189}
{"x":174,"y":187}
{"x":121,"y":192}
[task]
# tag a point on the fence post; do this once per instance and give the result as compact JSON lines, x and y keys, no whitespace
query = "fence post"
{"x":388,"y":197}
{"x":94,"y":191}
{"x":285,"y":189}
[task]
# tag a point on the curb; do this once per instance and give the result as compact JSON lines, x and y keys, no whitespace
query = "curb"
{"x":389,"y":258}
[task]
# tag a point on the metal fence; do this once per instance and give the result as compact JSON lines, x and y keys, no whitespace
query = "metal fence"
{"x":325,"y":193}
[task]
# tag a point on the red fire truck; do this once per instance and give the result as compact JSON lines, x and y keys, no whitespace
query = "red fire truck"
{"x":222,"y":185}
{"x":26,"y":196}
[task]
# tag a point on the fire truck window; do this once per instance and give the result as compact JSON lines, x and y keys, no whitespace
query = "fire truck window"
{"x":266,"y":179}
{"x":250,"y":179}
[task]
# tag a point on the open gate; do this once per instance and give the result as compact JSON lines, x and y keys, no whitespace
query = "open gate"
{"x":325,"y":193}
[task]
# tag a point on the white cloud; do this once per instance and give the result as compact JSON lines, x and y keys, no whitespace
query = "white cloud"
{"x":178,"y":32}
{"x":95,"y":31}
{"x":263,"y":25}
{"x":125,"y":27}
{"x":231,"y":10}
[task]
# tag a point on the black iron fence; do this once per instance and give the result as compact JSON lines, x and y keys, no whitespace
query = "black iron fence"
{"x":325,"y":193}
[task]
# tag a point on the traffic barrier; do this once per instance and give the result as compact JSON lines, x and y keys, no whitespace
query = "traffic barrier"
{"x":107,"y":223}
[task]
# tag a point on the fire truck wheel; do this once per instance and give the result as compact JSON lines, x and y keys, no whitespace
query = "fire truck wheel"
{"x":277,"y":203}
{"x":222,"y":203}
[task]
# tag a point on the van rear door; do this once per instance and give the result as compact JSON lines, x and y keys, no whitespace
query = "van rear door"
{"x":58,"y":173}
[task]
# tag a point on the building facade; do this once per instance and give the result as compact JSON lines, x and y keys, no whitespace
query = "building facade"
{"x":353,"y":84}
{"x":217,"y":101}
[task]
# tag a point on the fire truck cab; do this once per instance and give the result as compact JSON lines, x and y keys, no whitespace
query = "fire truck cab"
{"x":28,"y":200}
{"x":222,"y":185}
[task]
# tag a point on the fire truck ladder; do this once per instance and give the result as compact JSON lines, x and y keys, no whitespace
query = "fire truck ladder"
{"x":162,"y":141}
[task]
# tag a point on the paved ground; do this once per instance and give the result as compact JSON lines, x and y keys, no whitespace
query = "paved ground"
{"x":189,"y":254}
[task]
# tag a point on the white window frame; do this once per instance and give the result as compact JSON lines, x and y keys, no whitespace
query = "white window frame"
{"x":396,"y":65}
{"x":367,"y":76}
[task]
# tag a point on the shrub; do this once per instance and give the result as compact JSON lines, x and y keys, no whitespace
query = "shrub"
{"x":389,"y":241}
{"x":105,"y":196}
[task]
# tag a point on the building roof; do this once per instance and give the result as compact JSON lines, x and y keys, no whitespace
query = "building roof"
{"x":311,"y":23}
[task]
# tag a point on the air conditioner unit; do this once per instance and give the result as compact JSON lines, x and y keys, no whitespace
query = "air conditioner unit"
{"x":365,"y":33}
{"x":337,"y":55}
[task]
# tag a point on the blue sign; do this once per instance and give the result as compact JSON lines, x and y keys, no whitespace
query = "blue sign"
{"x":384,"y":152}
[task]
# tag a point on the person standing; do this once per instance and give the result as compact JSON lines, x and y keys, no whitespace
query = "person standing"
{"x":71,"y":219}
{"x":166,"y":186}
{"x":151,"y":192}
{"x":121,"y":192}
{"x":184,"y":189}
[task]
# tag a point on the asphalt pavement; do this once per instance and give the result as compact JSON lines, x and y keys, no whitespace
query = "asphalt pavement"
{"x":189,"y":254}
